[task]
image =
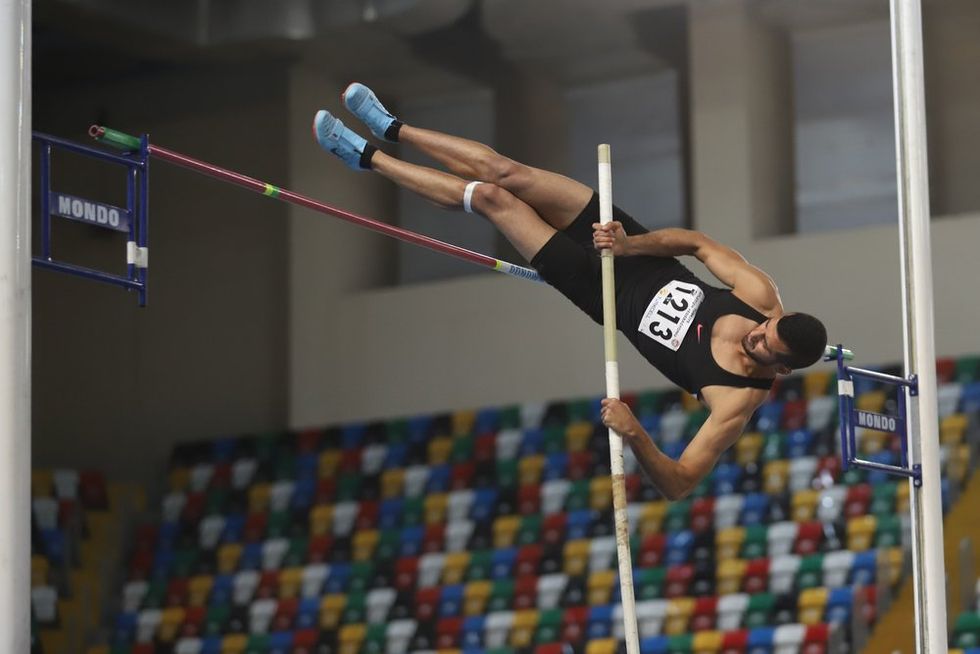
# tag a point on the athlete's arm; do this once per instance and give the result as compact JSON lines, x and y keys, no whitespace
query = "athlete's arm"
{"x":749,"y":283}
{"x":676,"y":479}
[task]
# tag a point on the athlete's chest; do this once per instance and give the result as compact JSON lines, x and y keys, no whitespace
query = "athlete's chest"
{"x":725,"y":342}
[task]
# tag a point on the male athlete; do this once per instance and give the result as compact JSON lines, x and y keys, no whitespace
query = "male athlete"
{"x":724,"y":345}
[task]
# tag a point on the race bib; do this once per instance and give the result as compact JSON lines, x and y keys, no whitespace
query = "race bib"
{"x":671,"y":312}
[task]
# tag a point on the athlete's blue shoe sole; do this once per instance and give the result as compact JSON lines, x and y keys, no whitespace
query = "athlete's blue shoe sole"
{"x":336,"y":139}
{"x":363,"y":103}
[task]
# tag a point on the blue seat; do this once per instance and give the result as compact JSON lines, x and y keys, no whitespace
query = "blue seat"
{"x":251,"y":558}
{"x":650,"y":422}
{"x":306,"y":466}
{"x":726,"y":477}
{"x":451,"y":601}
{"x":418,"y":429}
{"x":555,"y":467}
{"x":769,"y":416}
{"x":888,"y":458}
{"x":800,"y":443}
{"x":532,"y":443}
{"x":484,"y":506}
{"x":338,"y":578}
{"x":600,"y":622}
{"x":234,"y":528}
{"x":390,"y":513}
{"x":222,"y":590}
{"x":595,"y":409}
{"x":945,"y":488}
{"x":472,"y":635}
{"x":308,"y":613}
{"x":351,"y":436}
{"x":304,"y":492}
{"x":162,"y":562}
{"x":438,"y":481}
{"x":211,"y":645}
{"x":839,"y":605}
{"x":223,"y":449}
{"x":761,"y":640}
{"x":474,"y":650}
{"x":678,"y":549}
{"x":167,"y":534}
{"x":411,"y":540}
{"x":654,"y":645}
{"x":396,"y":456}
{"x":863,"y":568}
{"x":578,"y":525}
{"x":970,"y":398}
{"x":54,"y":545}
{"x":674,"y":449}
{"x":125,"y":628}
{"x":487,"y":420}
{"x":280,"y":642}
{"x":502,"y":562}
{"x":755,"y":510}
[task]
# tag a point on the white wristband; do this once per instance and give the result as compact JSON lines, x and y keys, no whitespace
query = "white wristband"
{"x":468,"y":196}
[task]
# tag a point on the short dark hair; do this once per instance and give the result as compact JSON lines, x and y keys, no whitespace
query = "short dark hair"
{"x":806,"y":338}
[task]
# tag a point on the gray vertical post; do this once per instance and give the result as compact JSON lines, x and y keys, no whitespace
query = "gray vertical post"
{"x":929,"y":575}
{"x":15,"y":322}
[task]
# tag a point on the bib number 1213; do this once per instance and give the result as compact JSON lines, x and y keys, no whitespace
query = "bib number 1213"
{"x":671,"y":313}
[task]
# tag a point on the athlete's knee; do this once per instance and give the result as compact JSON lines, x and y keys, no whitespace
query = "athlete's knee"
{"x":490,"y":199}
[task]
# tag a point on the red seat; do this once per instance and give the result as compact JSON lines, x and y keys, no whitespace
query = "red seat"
{"x":319,"y":549}
{"x":526,"y":592}
{"x":143,"y":648}
{"x":573,"y":624}
{"x":367,"y":515}
{"x":485,"y":449}
{"x":308,"y":440}
{"x":350,"y":460}
{"x":140,"y":564}
{"x":756,"y":579}
{"x":702,"y":514}
{"x":406,"y":573}
{"x":829,"y":465}
{"x":177,"y":592}
{"x":634,"y":485}
{"x":193,"y":508}
{"x":652,"y":550}
{"x":945,"y":370}
{"x":426,"y":603}
{"x":92,"y":490}
{"x":434,"y":538}
{"x":794,"y":415}
{"x":705,"y":614}
{"x":630,"y":400}
{"x":462,"y":476}
{"x":858,"y":500}
{"x":529,"y":499}
{"x":550,"y":648}
{"x":580,"y":465}
{"x":285,"y":614}
{"x":735,"y":642}
{"x":815,"y":640}
{"x":529,"y":559}
{"x":870,"y":604}
{"x":67,"y":510}
{"x":304,"y":640}
{"x":193,"y":621}
{"x":268,"y":585}
{"x":326,"y":491}
{"x":447,"y":632}
{"x":809,"y":535}
{"x":553,"y":529}
{"x":255,"y":525}
{"x":221,"y":477}
{"x":678,"y":580}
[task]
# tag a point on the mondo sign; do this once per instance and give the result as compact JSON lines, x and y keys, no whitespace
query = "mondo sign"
{"x":93,"y":213}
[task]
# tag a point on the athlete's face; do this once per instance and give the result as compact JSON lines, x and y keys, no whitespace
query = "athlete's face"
{"x":762,"y":344}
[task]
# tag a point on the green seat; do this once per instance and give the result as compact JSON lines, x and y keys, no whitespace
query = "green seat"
{"x":388,"y":543}
{"x":530,"y":530}
{"x":967,"y":369}
{"x":296,"y":555}
{"x":678,"y":516}
{"x":703,"y":489}
{"x":966,"y":631}
{"x":396,"y":431}
{"x":216,"y":502}
{"x":355,"y":611}
{"x":507,"y":474}
{"x":375,"y":639}
{"x":479,"y":566}
{"x":349,"y":487}
{"x":647,"y":404}
{"x":680,"y":644}
{"x":361,"y":576}
{"x":774,"y":447}
{"x":759,"y":611}
{"x":580,"y":411}
{"x":554,"y":440}
{"x":413,"y":511}
{"x":888,"y":532}
{"x":883,"y":499}
{"x":578,"y":496}
{"x":810,"y":573}
{"x":278,"y":526}
{"x":156,"y":592}
{"x":510,"y":417}
{"x":185,"y":562}
{"x":649,"y":583}
{"x":501,"y":596}
{"x":285,"y":465}
{"x":257,"y":644}
{"x":265,"y":446}
{"x":214,"y":621}
{"x":462,"y":450}
{"x":549,"y":627}
{"x":694,"y":422}
{"x":756,"y":543}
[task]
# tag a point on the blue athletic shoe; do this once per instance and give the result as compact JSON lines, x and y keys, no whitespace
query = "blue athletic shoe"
{"x":333,"y":137}
{"x":364,"y":104}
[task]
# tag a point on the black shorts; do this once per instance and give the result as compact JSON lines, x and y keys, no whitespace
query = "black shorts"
{"x":570,"y":263}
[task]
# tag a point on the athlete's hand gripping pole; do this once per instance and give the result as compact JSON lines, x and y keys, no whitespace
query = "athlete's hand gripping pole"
{"x":612,"y":390}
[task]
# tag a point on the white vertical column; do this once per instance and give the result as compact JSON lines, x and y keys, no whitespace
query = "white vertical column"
{"x":15,"y":321}
{"x":929,"y":573}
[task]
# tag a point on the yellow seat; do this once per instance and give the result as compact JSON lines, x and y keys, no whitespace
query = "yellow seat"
{"x":42,"y":482}
{"x":730,"y":573}
{"x":321,"y":519}
{"x":463,"y":422}
{"x":679,"y":612}
{"x":258,"y":498}
{"x":728,"y":542}
{"x":439,"y":449}
{"x":170,"y":621}
{"x":529,"y":469}
{"x":812,"y":603}
{"x":815,"y":383}
{"x":290,"y":583}
{"x":234,"y":644}
{"x":435,"y":508}
{"x":180,"y":479}
{"x":805,"y":504}
{"x":894,"y":563}
{"x":958,"y":466}
{"x":39,"y":570}
{"x":97,"y":649}
{"x":871,"y":401}
{"x":505,"y":529}
{"x":861,"y":532}
{"x":578,"y":435}
{"x":331,"y":609}
{"x":748,"y":447}
{"x":475,"y":596}
{"x":652,"y":517}
{"x":902,"y":498}
{"x":775,"y":476}
{"x":870,"y":441}
{"x":454,"y":568}
{"x":351,"y":637}
{"x":952,"y":429}
{"x":365,"y":542}
{"x":600,"y":493}
{"x":600,"y":587}
{"x":198,"y":590}
{"x":602,"y":646}
{"x":707,"y":642}
{"x":328,"y":463}
{"x":690,"y":403}
{"x":228,"y":556}
{"x":392,"y":483}
{"x":576,"y":559}
{"x":522,"y":630}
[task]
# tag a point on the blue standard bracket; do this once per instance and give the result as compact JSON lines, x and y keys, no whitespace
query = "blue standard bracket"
{"x":852,"y":418}
{"x":133,"y":219}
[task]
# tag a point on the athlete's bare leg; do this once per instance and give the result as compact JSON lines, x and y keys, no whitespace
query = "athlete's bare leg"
{"x":556,"y":198}
{"x":515,"y":219}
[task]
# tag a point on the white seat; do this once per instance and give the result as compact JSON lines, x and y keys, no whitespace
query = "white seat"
{"x":508,"y":444}
{"x":820,"y":412}
{"x":496,"y":629}
{"x":200,"y":477}
{"x":430,"y":569}
{"x":173,"y":505}
{"x":398,"y":636}
{"x":242,"y":472}
{"x":672,"y":425}
{"x":379,"y":602}
{"x":831,"y":503}
{"x":948,"y":398}
{"x":46,"y":512}
{"x":650,"y":616}
{"x":373,"y":459}
{"x":280,"y":494}
{"x":553,"y":494}
{"x":314,"y":575}
{"x":209,"y":531}
{"x":727,"y":509}
{"x":44,"y":599}
{"x":788,"y":638}
{"x":188,"y":646}
{"x":731,"y":608}
{"x":602,"y":552}
{"x":273,"y":551}
{"x":415,"y":480}
{"x":344,"y":516}
{"x":66,"y":484}
{"x":532,"y":413}
{"x":837,"y":567}
{"x":801,"y":471}
{"x":633,"y":513}
{"x":243,"y":586}
{"x":631,"y":465}
{"x":133,"y":594}
{"x":459,"y":504}
{"x":147,"y":624}
{"x":780,"y":537}
{"x":550,"y":588}
{"x":782,"y":573}
{"x":458,"y":535}
{"x":260,"y":615}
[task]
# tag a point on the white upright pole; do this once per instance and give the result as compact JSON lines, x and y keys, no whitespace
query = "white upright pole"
{"x":929,"y":574}
{"x":15,"y":321}
{"x":612,"y":390}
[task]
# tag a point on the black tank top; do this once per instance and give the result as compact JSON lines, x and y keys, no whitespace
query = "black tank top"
{"x":691,"y":366}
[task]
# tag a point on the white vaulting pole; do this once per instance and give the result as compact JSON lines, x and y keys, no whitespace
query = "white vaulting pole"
{"x":929,"y":574}
{"x":15,"y":322}
{"x":612,"y":390}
